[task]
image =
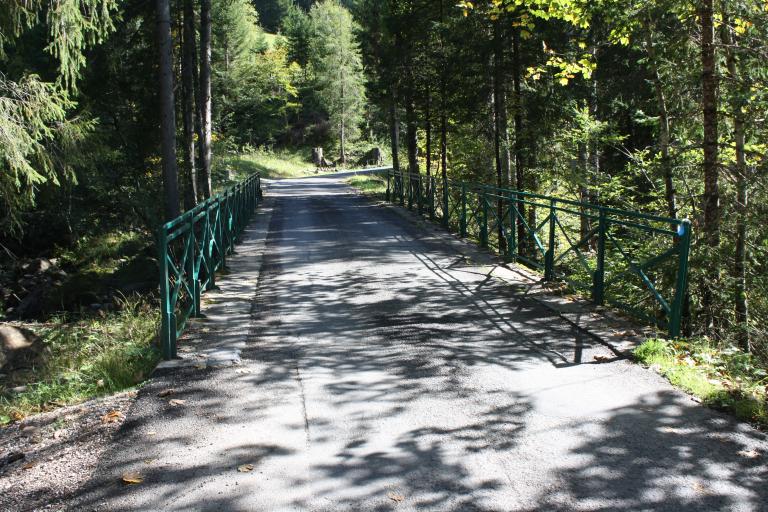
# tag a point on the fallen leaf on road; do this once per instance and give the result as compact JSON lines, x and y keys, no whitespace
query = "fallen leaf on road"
{"x":242,"y":370}
{"x":245,"y":468}
{"x":700,"y":488}
{"x":151,"y":433}
{"x":395,"y":496}
{"x":602,"y":358}
{"x":112,"y":417}
{"x":750,"y":454}
{"x":175,"y":402}
{"x":200,"y":366}
{"x":28,"y":465}
{"x":132,"y":478}
{"x":166,"y":392}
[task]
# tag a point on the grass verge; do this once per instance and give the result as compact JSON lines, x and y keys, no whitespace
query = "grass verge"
{"x":722,"y":378}
{"x":370,"y":185}
{"x":282,"y":163}
{"x":84,"y":359}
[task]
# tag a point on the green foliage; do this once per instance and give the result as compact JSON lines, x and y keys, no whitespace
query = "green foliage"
{"x":337,"y":67}
{"x":88,"y":358}
{"x":34,"y":128}
{"x":721,"y":377}
{"x":282,"y":163}
{"x":369,"y":184}
{"x":253,"y":84}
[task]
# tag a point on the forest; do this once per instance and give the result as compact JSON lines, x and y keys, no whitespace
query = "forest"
{"x":116,"y":115}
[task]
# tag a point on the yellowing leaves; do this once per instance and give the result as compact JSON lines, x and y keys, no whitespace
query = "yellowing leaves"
{"x":245,"y":468}
{"x":113,"y":417}
{"x":132,"y":478}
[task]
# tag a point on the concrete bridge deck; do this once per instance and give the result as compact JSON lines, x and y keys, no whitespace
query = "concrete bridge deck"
{"x":363,"y":364}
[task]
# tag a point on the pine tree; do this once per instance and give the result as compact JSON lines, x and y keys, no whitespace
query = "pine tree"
{"x":338,"y":70}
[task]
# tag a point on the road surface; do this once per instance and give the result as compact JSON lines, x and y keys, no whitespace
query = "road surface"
{"x":363,"y":364}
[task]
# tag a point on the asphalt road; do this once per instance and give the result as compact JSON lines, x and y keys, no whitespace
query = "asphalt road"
{"x":369,"y":366}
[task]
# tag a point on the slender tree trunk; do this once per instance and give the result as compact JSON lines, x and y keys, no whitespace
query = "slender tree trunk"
{"x":188,"y":96}
{"x":205,"y":97}
{"x":664,"y":128}
{"x":740,"y":173}
{"x":519,"y":155}
{"x":711,"y":197}
{"x":583,"y":165}
{"x":394,"y":129}
{"x":443,"y":118}
{"x":410,"y":119}
{"x":428,"y":130}
{"x":167,"y":111}
{"x":498,"y":117}
{"x":343,"y":158}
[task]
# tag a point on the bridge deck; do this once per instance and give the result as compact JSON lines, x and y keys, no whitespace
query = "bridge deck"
{"x":380,"y":370}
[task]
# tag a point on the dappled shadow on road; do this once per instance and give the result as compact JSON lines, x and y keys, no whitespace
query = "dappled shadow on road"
{"x":662,"y":453}
{"x":384,"y":372}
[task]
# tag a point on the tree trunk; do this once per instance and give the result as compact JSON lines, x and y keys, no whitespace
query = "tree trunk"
{"x":498,"y":129}
{"x":343,"y":157}
{"x":205,"y":97}
{"x":711,"y":197}
{"x":443,"y":118}
{"x":664,"y":129}
{"x":740,"y":173}
{"x":167,"y":111}
{"x":410,"y":119}
{"x":428,"y":130}
{"x":519,"y":156}
{"x":188,"y":96}
{"x":394,"y":129}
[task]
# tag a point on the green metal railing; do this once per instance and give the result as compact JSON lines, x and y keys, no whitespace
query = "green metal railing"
{"x":630,"y":260}
{"x":193,"y":247}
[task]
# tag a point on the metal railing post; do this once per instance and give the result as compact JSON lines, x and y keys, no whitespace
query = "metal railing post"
{"x":683,"y":249}
{"x":463,"y":218}
{"x":419,"y":195}
{"x":431,"y":198}
{"x":512,"y":239}
{"x":191,"y":269}
{"x":549,"y":259}
{"x":484,"y":221}
{"x":210,"y":265}
{"x":446,"y":206}
{"x":167,"y":317}
{"x":598,"y":279}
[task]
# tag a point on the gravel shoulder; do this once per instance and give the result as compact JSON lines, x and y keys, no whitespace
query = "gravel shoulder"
{"x":55,"y":453}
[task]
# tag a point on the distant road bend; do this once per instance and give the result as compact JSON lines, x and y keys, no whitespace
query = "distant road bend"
{"x":380,"y":370}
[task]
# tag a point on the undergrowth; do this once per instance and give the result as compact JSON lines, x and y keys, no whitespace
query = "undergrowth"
{"x":86,"y":358}
{"x":369,"y":184}
{"x":723,"y":378}
{"x":282,"y":163}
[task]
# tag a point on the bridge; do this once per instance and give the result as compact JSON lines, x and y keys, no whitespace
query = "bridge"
{"x":356,"y":356}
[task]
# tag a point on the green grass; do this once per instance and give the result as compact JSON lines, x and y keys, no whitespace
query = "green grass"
{"x":85,"y":359}
{"x":271,"y":164}
{"x":723,"y":378}
{"x":104,"y":253}
{"x":369,"y":185}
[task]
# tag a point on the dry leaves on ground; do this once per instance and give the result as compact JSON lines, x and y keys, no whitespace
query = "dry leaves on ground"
{"x":112,"y":417}
{"x":176,"y":402}
{"x":132,"y":478}
{"x":396,"y":497}
{"x":166,"y":392}
{"x":245,"y":468}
